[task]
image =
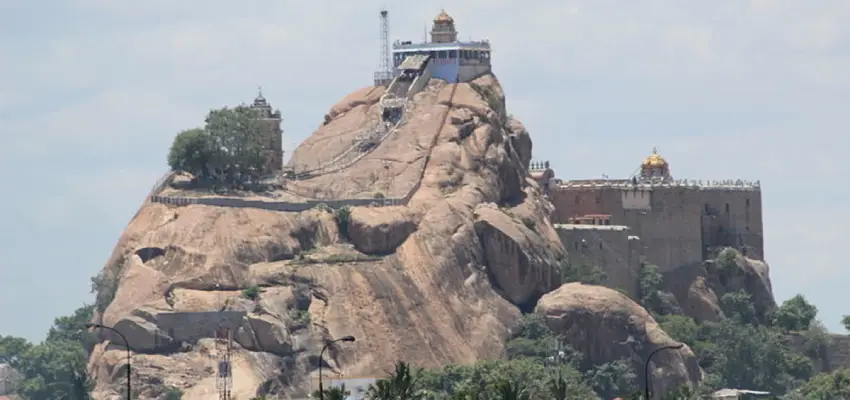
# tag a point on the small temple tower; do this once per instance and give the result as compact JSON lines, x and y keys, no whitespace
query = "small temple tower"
{"x":443,"y":30}
{"x":452,"y":60}
{"x":273,"y":135}
{"x":655,"y":168}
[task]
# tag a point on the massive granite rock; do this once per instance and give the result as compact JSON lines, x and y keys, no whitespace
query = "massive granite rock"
{"x":605,"y":325}
{"x":697,"y":289}
{"x":434,"y":281}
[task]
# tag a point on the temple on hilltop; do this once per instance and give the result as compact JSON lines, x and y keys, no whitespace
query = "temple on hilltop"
{"x":270,"y":121}
{"x":453,"y":60}
{"x":651,"y":217}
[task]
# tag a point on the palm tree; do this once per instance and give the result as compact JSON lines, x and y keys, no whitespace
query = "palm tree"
{"x":557,"y":386}
{"x":403,"y":381}
{"x":382,"y":389}
{"x":399,"y":385}
{"x":333,"y":393}
{"x":507,"y":390}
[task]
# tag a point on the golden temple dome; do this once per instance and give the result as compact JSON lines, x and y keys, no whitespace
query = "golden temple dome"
{"x":443,"y":17}
{"x":654,"y":160}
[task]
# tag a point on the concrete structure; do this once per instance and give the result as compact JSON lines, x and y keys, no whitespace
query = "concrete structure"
{"x":679,"y":222}
{"x":609,"y":247}
{"x":272,"y":134}
{"x":454,"y":61}
{"x":9,"y":379}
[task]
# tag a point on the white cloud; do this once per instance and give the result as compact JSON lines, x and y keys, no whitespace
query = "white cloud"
{"x":727,"y":88}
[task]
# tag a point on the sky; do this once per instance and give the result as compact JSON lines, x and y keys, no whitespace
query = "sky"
{"x":93,"y":91}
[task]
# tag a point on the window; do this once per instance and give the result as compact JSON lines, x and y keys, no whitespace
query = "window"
{"x":707,"y":209}
{"x":727,"y":208}
{"x":600,"y":245}
{"x":598,"y":199}
{"x":442,"y":54}
{"x":577,"y":199}
{"x":452,"y":53}
{"x":748,"y":202}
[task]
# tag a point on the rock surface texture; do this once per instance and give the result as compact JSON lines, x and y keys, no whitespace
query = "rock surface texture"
{"x":697,"y":289}
{"x":605,"y":325}
{"x":440,"y":279}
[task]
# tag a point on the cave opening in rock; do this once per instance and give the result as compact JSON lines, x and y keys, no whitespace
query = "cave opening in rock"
{"x":528,"y":306}
{"x":149,"y":253}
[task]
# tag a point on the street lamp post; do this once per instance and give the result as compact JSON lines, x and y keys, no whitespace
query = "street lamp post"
{"x":649,"y":359}
{"x":348,"y":338}
{"x":126,"y":346}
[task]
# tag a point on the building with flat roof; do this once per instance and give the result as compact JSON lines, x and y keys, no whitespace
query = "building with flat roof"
{"x":453,"y":60}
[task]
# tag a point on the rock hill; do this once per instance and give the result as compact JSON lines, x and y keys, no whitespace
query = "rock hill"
{"x":440,"y":279}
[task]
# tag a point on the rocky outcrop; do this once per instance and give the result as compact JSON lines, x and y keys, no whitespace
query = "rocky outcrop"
{"x":605,"y":325}
{"x":517,"y":257}
{"x":410,"y":283}
{"x":380,"y":231}
{"x":698,"y":289}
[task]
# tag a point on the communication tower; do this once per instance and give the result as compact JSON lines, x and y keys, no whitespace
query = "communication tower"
{"x":384,"y":75}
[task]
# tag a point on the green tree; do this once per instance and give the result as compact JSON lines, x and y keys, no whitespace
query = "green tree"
{"x":229,"y":148}
{"x":72,"y":327}
{"x":612,"y":379}
{"x":795,"y":314}
{"x":173,"y":393}
{"x":400,"y":384}
{"x":512,"y":390}
{"x":11,"y":349}
{"x":845,"y":320}
{"x":738,"y":306}
{"x":53,"y":369}
{"x":333,"y":393}
{"x":239,"y":143}
{"x":834,"y":385}
{"x":649,"y":287}
{"x":581,"y":272}
{"x":194,"y":151}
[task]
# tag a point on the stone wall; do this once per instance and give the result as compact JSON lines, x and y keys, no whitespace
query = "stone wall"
{"x":164,"y":330}
{"x":274,"y":205}
{"x":671,"y":219}
{"x":608,"y":247}
{"x":838,"y":353}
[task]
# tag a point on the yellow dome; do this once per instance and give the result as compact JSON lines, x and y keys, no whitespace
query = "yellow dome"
{"x":654,"y":160}
{"x":443,"y":17}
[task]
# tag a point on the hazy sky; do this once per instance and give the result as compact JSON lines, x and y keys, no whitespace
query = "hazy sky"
{"x":92,"y":92}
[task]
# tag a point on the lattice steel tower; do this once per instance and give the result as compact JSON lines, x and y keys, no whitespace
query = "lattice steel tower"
{"x":384,"y":75}
{"x":223,"y":377}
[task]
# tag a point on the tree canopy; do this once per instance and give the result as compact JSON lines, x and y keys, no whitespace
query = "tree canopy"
{"x":228,"y":149}
{"x":56,"y":367}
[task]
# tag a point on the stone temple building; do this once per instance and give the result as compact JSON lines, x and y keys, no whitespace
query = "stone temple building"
{"x":616,"y":224}
{"x":270,"y":121}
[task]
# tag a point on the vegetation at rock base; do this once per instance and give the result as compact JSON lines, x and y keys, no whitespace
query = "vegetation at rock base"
{"x":104,"y":285}
{"x":173,"y":393}
{"x":742,"y":350}
{"x":582,"y":272}
{"x":251,"y":293}
{"x":56,"y":367}
{"x":342,"y":217}
{"x":227,"y":150}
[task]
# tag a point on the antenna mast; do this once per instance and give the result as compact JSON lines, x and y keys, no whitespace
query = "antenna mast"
{"x":385,"y":72}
